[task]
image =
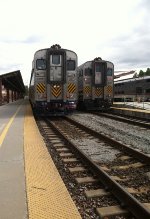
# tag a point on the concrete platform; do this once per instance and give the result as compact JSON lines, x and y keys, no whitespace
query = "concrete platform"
{"x":128,"y":110}
{"x":30,"y":185}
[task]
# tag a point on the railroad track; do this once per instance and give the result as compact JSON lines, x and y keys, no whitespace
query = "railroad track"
{"x":98,"y":176}
{"x":130,"y":120}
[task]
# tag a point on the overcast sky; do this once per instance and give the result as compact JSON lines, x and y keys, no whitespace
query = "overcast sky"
{"x":116,"y":30}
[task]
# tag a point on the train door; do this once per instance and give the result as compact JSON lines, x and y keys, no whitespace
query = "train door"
{"x":99,"y":69}
{"x":56,"y":75}
{"x":99,"y":73}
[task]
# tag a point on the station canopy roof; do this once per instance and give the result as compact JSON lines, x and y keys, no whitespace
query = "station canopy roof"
{"x":13,"y":81}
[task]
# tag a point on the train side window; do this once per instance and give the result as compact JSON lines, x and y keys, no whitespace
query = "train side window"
{"x":71,"y":65}
{"x":56,"y":59}
{"x":40,"y":64}
{"x":80,"y":73}
{"x":109,"y":72}
{"x":88,"y":72}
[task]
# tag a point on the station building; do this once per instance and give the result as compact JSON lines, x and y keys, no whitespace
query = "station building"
{"x":11,"y":87}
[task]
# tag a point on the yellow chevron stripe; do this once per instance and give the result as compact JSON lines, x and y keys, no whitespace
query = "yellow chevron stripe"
{"x":40,"y":87}
{"x":98,"y":91}
{"x":87,"y":89}
{"x":55,"y":90}
{"x":71,"y":88}
{"x":108,"y":89}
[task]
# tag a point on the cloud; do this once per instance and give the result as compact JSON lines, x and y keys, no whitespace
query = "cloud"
{"x":131,"y":49}
{"x":22,"y":40}
{"x":33,"y":39}
{"x":118,"y":31}
{"x":6,"y":68}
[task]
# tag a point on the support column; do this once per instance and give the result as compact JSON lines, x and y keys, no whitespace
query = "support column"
{"x":15,"y":95}
{"x":0,"y":91}
{"x":12,"y":97}
{"x":7,"y":95}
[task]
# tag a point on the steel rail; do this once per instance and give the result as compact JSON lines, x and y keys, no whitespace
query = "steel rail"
{"x":129,"y":121}
{"x":118,"y":144}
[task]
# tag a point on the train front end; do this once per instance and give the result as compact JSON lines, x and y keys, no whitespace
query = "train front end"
{"x":95,"y":79}
{"x":102,"y":83}
{"x":60,"y":82}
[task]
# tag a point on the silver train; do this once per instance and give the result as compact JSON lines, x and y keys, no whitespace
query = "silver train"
{"x":95,"y":85}
{"x":53,"y":82}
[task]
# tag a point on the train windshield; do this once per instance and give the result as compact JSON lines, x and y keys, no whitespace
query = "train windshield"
{"x":98,"y":73}
{"x":56,"y":59}
{"x":56,"y":72}
{"x":40,"y":64}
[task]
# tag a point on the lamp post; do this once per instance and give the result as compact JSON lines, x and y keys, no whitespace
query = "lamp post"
{"x":143,"y":92}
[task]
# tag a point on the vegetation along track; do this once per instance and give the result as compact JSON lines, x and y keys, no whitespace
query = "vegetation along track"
{"x":92,"y":160}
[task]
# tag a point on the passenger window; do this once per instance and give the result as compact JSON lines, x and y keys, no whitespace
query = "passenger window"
{"x":56,"y":59}
{"x":40,"y":64}
{"x":70,"y":65}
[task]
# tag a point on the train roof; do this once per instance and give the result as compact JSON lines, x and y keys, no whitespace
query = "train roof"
{"x":132,"y":79}
{"x":93,"y":60}
{"x":58,"y":49}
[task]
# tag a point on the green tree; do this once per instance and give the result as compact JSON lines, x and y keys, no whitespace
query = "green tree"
{"x":141,"y":73}
{"x":147,"y":72}
{"x":135,"y":75}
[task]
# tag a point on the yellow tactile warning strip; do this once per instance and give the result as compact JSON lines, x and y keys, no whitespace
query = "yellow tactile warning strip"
{"x":128,"y":109}
{"x":47,"y":196}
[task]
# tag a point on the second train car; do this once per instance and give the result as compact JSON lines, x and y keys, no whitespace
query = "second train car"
{"x":53,"y":83}
{"x":95,"y":85}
